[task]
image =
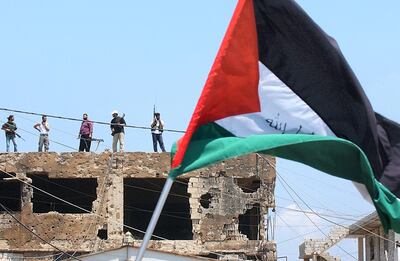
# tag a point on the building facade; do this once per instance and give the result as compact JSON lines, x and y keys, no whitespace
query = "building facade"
{"x":86,"y":202}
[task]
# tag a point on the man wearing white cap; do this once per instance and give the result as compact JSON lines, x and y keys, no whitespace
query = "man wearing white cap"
{"x":117,"y":131}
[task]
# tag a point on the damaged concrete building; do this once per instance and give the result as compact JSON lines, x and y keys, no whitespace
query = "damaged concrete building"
{"x":86,"y":202}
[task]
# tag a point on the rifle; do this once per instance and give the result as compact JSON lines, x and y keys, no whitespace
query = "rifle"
{"x":19,"y":136}
{"x":12,"y":131}
{"x":123,"y":116}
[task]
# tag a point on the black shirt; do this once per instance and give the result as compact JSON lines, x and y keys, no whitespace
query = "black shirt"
{"x":10,"y":125}
{"x":117,"y":128}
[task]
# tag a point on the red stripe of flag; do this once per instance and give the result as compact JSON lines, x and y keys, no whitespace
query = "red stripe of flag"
{"x":232,"y":84}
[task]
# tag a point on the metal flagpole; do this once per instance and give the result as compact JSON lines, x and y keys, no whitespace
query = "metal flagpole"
{"x":154,"y":218}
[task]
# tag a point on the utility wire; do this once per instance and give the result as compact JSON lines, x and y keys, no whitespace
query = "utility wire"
{"x":231,"y":195}
{"x":87,"y":211}
{"x":328,"y":220}
{"x":67,"y":202}
{"x":283,"y":184}
{"x":32,"y":232}
{"x":227,"y":194}
{"x":338,"y":216}
{"x":37,"y":135}
{"x":80,"y":120}
{"x":279,"y":178}
{"x":65,"y":132}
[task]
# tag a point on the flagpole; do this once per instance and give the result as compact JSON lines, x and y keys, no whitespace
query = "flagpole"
{"x":154,"y":218}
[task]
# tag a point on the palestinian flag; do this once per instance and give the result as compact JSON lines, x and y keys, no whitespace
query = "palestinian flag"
{"x":280,"y":86}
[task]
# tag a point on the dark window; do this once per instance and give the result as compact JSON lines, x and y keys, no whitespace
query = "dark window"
{"x":249,"y":222}
{"x":205,"y":200}
{"x":102,"y":234}
{"x":10,"y":193}
{"x":249,"y":185}
{"x":212,"y":256}
{"x":79,"y":191}
{"x":140,"y":198}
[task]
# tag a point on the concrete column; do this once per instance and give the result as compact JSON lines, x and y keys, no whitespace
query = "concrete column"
{"x":314,"y":257}
{"x":115,"y":207}
{"x":382,"y":255}
{"x":376,"y":247}
{"x":393,"y":251}
{"x":360,"y":249}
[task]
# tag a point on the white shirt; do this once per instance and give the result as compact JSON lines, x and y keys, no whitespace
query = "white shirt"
{"x":42,"y":128}
{"x":156,"y":129}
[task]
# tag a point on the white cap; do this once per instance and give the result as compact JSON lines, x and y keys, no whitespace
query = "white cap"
{"x":114,"y":112}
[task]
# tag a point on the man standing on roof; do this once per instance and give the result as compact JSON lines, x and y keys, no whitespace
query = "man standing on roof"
{"x":10,"y":129}
{"x":157,"y":128}
{"x":85,"y":134}
{"x":44,"y":129}
{"x":117,"y":131}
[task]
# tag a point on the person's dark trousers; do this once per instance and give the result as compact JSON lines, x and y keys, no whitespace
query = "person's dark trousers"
{"x":85,"y":143}
{"x":158,"y":137}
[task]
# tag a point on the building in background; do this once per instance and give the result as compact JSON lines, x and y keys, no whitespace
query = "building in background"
{"x":373,"y":243}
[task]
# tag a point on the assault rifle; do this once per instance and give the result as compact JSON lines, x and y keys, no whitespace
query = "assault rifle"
{"x":117,"y":123}
{"x":12,"y":131}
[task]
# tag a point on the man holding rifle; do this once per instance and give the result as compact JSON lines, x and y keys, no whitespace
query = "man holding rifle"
{"x":10,"y":129}
{"x":157,"y":128}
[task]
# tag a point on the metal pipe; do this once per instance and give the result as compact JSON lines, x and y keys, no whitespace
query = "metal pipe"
{"x":154,"y":218}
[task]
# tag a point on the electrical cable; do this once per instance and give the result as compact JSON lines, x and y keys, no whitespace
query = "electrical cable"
{"x":231,"y":195}
{"x":313,"y":212}
{"x":32,"y":232}
{"x":339,"y":216}
{"x":87,"y":211}
{"x":328,"y":220}
{"x":329,"y":210}
{"x":326,"y":236}
{"x":301,"y":235}
{"x":67,"y":202}
{"x":65,"y":132}
{"x":80,"y":120}
{"x":279,"y":179}
{"x":37,"y":135}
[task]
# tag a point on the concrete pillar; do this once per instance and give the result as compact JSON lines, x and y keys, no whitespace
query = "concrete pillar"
{"x":360,"y":249}
{"x":115,"y":207}
{"x":382,"y":255}
{"x":314,"y":257}
{"x":376,"y":247}
{"x":393,"y":250}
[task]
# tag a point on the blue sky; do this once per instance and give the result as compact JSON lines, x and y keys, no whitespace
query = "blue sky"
{"x":70,"y":57}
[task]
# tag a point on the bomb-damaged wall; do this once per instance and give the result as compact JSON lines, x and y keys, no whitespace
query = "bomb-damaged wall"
{"x":220,"y":198}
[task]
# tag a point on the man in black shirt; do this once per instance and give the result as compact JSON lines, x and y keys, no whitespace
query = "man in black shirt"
{"x":117,"y":131}
{"x":10,"y":128}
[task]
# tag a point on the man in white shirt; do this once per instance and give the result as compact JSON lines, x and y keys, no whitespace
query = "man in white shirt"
{"x":44,"y":129}
{"x":157,"y":128}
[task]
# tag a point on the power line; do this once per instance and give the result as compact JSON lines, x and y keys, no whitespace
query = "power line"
{"x":278,"y":176}
{"x":231,"y":195}
{"x":184,"y":196}
{"x":313,"y":213}
{"x":328,"y":220}
{"x":283,"y":184}
{"x":36,"y":135}
{"x":67,"y":202}
{"x":87,"y":211}
{"x":65,"y":132}
{"x":80,"y":120}
{"x":32,"y":232}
